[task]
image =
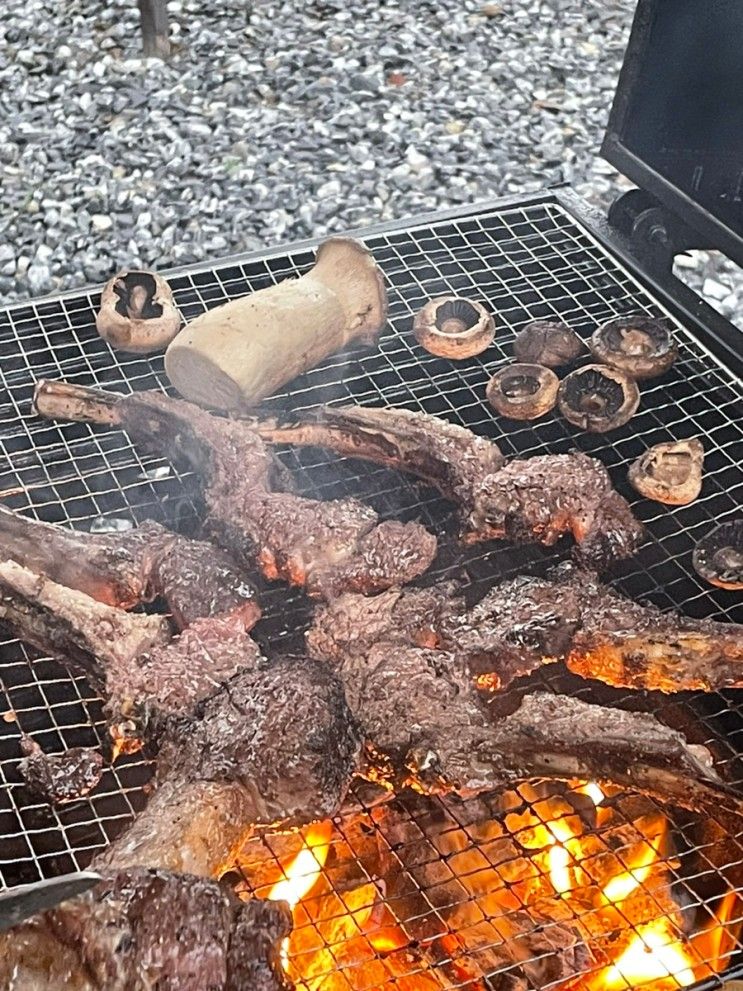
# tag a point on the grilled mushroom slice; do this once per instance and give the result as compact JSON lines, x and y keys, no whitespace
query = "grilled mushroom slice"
{"x":547,"y":342}
{"x":522,"y":391}
{"x":638,"y":345}
{"x":598,"y":398}
{"x":718,"y":557}
{"x":669,"y":472}
{"x":454,"y":327}
{"x":137,"y":312}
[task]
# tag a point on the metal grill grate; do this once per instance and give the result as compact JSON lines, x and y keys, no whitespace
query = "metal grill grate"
{"x":527,"y":262}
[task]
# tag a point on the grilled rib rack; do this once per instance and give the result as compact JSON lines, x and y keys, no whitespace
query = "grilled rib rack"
{"x":525,"y":260}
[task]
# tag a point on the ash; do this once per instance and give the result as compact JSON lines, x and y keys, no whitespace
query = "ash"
{"x":281,"y":120}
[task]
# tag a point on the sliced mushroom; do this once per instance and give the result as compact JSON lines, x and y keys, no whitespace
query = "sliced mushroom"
{"x":137,"y":312}
{"x":598,"y":398}
{"x":718,"y":557}
{"x":638,"y":345}
{"x":523,"y":391}
{"x":547,"y":342}
{"x":670,"y":473}
{"x":454,"y":327}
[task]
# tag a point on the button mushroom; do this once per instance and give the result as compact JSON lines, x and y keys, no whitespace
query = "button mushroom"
{"x":137,"y":312}
{"x":523,"y":391}
{"x":670,"y":473}
{"x":547,"y":342}
{"x":598,"y":398}
{"x":454,"y":327}
{"x":638,"y":345}
{"x":718,"y":557}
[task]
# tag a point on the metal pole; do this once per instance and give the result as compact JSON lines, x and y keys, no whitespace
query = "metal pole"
{"x":155,"y":33}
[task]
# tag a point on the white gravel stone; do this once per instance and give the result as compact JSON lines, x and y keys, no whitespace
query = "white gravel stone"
{"x":279,"y":120}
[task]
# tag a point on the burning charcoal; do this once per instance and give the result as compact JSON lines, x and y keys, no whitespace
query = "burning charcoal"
{"x":137,"y":312}
{"x":328,"y":547}
{"x":527,"y":500}
{"x":59,"y":778}
{"x":453,"y":327}
{"x":638,"y":345}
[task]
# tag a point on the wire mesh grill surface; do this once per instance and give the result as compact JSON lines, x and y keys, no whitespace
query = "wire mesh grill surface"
{"x":524,"y":263}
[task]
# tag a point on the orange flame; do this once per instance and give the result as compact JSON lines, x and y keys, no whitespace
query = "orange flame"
{"x":655,"y":956}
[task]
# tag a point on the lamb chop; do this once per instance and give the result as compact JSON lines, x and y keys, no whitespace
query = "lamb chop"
{"x":194,"y":577}
{"x":524,"y":623}
{"x":534,"y":500}
{"x":329,"y":547}
{"x":149,"y":930}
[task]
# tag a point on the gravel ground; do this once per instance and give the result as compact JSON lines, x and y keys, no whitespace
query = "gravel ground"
{"x":287,"y":119}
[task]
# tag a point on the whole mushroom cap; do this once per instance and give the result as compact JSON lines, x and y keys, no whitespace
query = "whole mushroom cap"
{"x":137,"y":312}
{"x":522,"y":391}
{"x":598,"y":398}
{"x":454,"y":327}
{"x":639,"y":345}
{"x":670,"y":473}
{"x":718,"y":557}
{"x":547,"y":342}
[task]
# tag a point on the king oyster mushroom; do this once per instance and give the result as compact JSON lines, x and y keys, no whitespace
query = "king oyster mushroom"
{"x":639,"y":345}
{"x":718,"y":557}
{"x":454,"y":327}
{"x":547,"y":342}
{"x":670,"y":472}
{"x":523,"y":391}
{"x":598,"y":398}
{"x":137,"y":312}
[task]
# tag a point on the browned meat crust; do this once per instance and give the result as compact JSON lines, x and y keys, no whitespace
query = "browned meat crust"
{"x":194,"y":578}
{"x":59,"y":778}
{"x":527,"y":501}
{"x":150,"y":930}
{"x":325,"y":546}
{"x":527,"y":622}
{"x":129,"y":658}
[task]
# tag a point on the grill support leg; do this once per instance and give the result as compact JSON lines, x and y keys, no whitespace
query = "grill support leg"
{"x":155,"y":33}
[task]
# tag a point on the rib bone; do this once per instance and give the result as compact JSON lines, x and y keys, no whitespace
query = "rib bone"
{"x":194,"y":578}
{"x":328,"y":547}
{"x":534,"y":500}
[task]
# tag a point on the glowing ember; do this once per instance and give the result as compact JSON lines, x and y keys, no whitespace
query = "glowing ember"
{"x":654,"y":956}
{"x":556,"y":877}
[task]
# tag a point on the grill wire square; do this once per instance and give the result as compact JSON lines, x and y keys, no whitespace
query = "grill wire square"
{"x":524,"y":263}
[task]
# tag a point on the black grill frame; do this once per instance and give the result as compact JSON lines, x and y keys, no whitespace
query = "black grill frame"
{"x":527,"y":258}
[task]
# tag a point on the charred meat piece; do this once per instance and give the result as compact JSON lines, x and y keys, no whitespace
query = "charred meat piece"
{"x":427,"y":726}
{"x":59,"y":778}
{"x":524,"y":623}
{"x":146,"y":930}
{"x":128,"y":658}
{"x":325,"y":546}
{"x":277,"y":744}
{"x":241,"y":740}
{"x":528,"y":501}
{"x":194,"y":578}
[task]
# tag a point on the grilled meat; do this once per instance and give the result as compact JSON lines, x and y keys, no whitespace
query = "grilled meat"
{"x":194,"y":577}
{"x":527,"y":501}
{"x":149,"y":930}
{"x":427,"y":726}
{"x":328,"y":547}
{"x":129,"y":659}
{"x":59,"y":778}
{"x":527,"y":622}
{"x":276,"y":744}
